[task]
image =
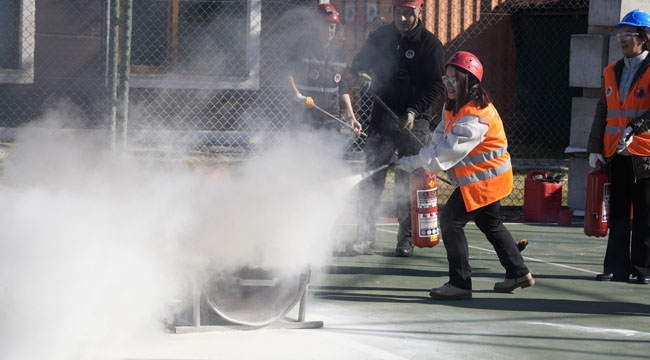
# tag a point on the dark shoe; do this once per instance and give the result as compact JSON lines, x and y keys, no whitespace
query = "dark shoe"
{"x":450,"y":292}
{"x":604,"y":277}
{"x":521,"y":245}
{"x":644,"y":280}
{"x":510,"y":284}
{"x":358,"y":248}
{"x":404,"y":249}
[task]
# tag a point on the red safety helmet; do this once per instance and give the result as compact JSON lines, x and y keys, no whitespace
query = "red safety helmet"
{"x":329,"y":13}
{"x":468,"y":61}
{"x":414,"y":4}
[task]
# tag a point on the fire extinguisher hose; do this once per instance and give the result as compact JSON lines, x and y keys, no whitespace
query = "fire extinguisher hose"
{"x":337,"y":119}
{"x":394,"y":116}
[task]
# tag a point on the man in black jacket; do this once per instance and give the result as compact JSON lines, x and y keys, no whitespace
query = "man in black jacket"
{"x":401,"y":65}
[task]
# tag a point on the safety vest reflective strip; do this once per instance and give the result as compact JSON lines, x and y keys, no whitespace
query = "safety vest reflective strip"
{"x":304,"y":88}
{"x":476,"y":177}
{"x":626,"y":113}
{"x":619,"y":115}
{"x":340,"y":65}
{"x":485,"y":175}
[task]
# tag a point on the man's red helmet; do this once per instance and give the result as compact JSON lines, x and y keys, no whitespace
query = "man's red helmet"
{"x":468,"y":61}
{"x":329,"y":13}
{"x":414,"y":4}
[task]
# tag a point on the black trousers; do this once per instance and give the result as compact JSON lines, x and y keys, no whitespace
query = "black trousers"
{"x":454,"y":217}
{"x":624,"y":257}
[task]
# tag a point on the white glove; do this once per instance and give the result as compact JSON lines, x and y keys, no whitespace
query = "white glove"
{"x":409,"y":163}
{"x":594,"y":160}
{"x":625,"y":140}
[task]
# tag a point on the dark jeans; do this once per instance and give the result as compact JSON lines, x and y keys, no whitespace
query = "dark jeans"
{"x":454,"y":217}
{"x":621,"y":259}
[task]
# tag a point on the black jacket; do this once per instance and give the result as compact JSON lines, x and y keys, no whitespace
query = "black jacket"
{"x":406,"y":71}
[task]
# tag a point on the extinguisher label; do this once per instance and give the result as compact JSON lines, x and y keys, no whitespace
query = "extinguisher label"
{"x":427,"y":198}
{"x":605,"y":204}
{"x":428,"y":224}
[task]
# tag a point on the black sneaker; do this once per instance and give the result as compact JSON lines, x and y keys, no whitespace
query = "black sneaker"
{"x":404,"y":249}
{"x":643,"y":280}
{"x":450,"y":292}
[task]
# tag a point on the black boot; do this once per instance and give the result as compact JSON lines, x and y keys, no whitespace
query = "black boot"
{"x":404,"y":249}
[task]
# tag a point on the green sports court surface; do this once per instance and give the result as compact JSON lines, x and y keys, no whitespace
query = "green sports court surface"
{"x":377,"y":307}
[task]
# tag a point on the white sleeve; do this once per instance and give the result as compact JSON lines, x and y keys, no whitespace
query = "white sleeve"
{"x":438,"y":134}
{"x":446,"y":150}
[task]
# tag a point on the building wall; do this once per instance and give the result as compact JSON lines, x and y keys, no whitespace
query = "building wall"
{"x":70,"y":41}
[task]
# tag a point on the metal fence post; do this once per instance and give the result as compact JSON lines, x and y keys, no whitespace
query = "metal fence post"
{"x":126,"y":24}
{"x":113,"y":54}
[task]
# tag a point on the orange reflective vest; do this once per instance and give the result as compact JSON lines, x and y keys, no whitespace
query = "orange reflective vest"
{"x":619,"y":115}
{"x":485,"y":174}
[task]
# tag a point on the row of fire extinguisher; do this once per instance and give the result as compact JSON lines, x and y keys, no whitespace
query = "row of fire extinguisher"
{"x":424,"y":206}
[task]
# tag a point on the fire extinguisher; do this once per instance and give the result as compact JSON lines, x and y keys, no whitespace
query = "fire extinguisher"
{"x":424,"y":208}
{"x":597,"y":203}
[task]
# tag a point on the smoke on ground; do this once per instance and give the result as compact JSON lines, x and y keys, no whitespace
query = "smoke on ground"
{"x":94,"y":247}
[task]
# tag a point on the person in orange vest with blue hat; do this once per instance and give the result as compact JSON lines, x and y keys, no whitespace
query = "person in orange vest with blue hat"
{"x":470,"y":145}
{"x":619,"y":139}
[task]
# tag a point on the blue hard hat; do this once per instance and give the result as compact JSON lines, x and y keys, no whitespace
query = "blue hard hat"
{"x":636,"y":18}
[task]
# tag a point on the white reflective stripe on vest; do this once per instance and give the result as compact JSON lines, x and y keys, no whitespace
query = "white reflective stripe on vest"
{"x":475,"y":159}
{"x":613,"y":130}
{"x":489,"y":173}
{"x":316,"y":88}
{"x":321,"y":62}
{"x":628,"y":113}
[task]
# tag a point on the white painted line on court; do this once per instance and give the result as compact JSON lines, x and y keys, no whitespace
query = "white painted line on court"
{"x":542,"y":261}
{"x":598,"y":330}
{"x":525,"y":257}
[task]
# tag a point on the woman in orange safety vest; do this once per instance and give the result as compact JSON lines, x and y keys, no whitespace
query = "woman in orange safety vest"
{"x":470,"y":145}
{"x":619,"y":133}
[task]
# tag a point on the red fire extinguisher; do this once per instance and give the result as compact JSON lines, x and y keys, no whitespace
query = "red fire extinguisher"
{"x":424,"y":208}
{"x":597,"y":203}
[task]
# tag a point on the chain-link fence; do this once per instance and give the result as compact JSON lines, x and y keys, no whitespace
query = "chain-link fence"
{"x":208,"y":74}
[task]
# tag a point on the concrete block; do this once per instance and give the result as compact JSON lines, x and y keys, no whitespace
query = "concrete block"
{"x":588,"y":56}
{"x":582,"y":115}
{"x":614,"y":51}
{"x":578,"y":170}
{"x":610,"y":12}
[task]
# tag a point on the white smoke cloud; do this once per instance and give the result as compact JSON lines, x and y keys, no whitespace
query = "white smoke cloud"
{"x":95,"y":246}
